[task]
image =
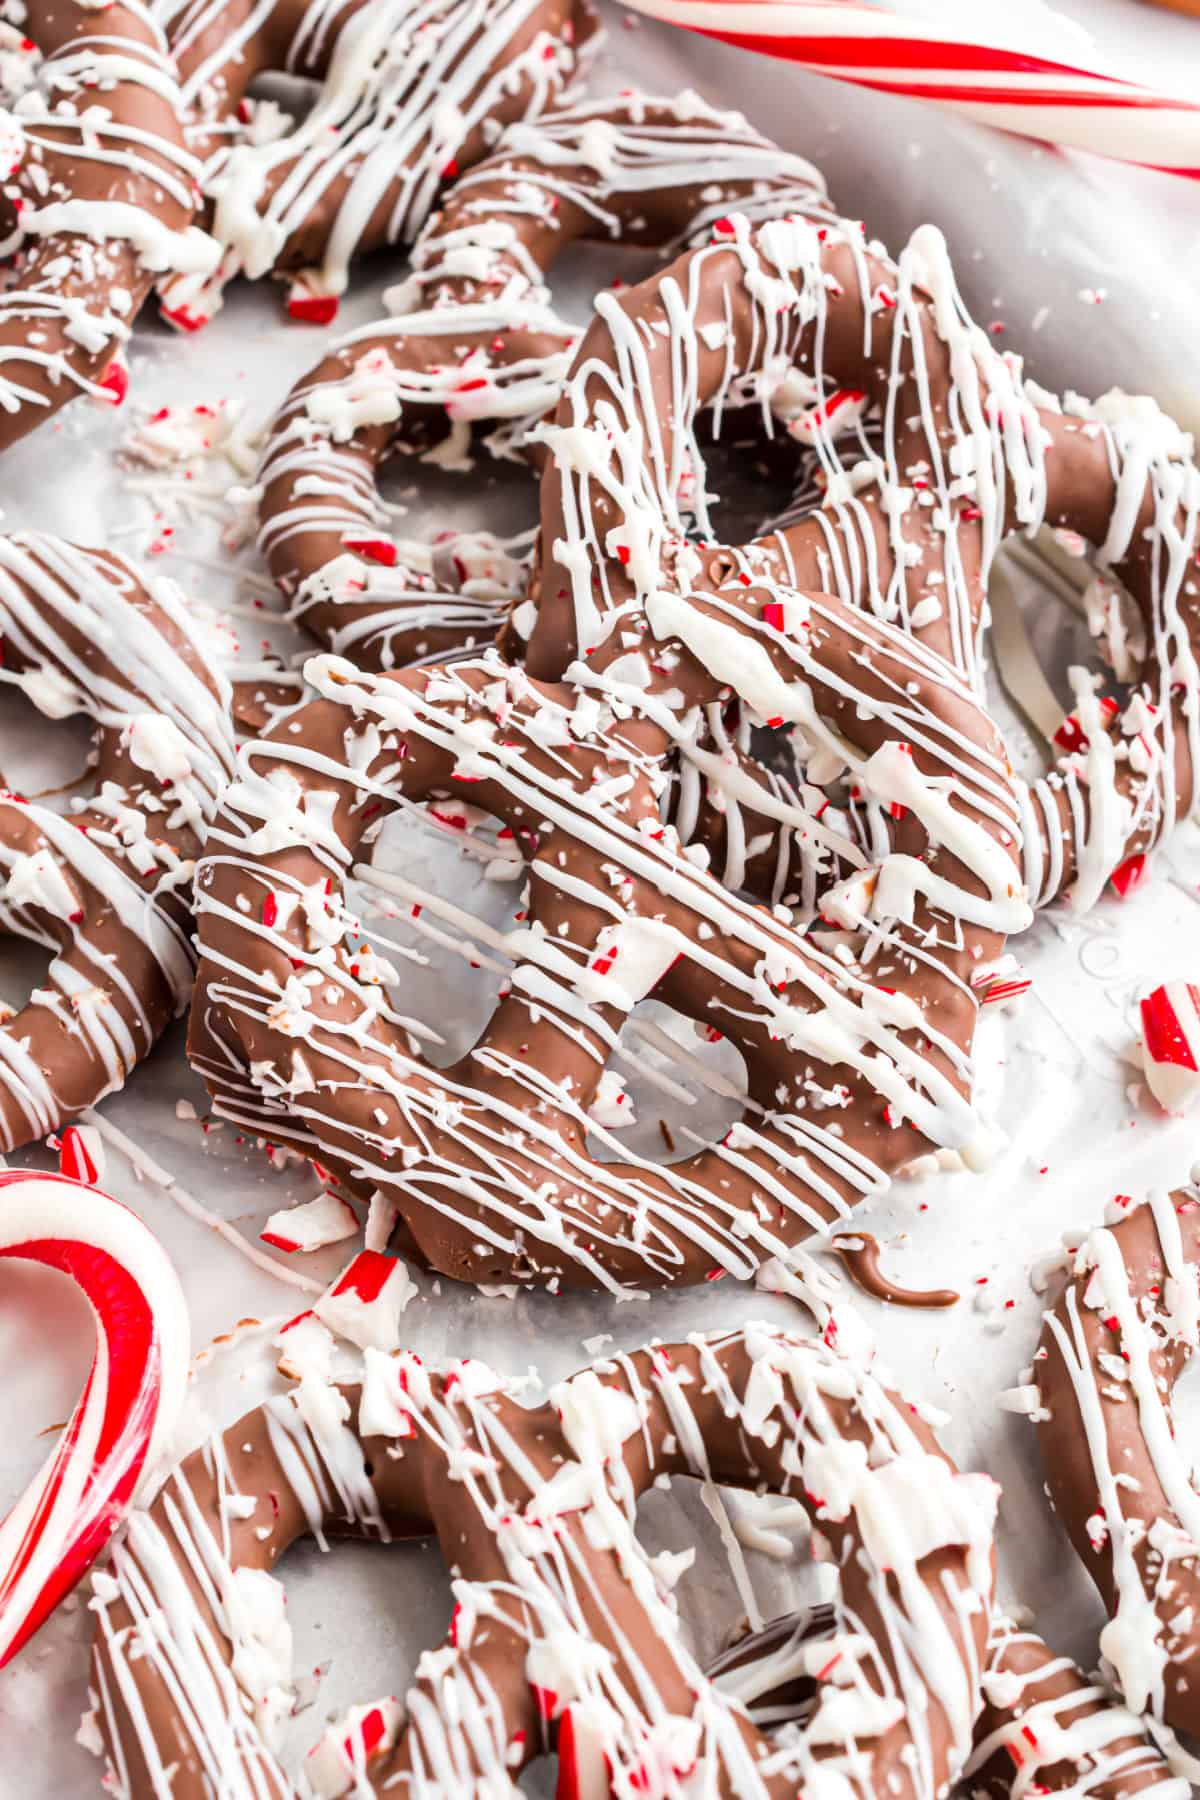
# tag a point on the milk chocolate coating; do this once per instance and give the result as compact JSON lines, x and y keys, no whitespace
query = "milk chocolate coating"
{"x":564,"y":1633}
{"x":857,"y":1057}
{"x":1044,"y":1726}
{"x":104,"y":205}
{"x":105,"y":888}
{"x":1110,"y":1354}
{"x":475,"y":343}
{"x":971,"y":453}
{"x":408,"y":95}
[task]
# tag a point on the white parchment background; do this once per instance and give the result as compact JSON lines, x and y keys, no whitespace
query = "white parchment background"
{"x":1032,"y":232}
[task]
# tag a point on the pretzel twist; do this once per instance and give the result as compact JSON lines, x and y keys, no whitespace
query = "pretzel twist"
{"x":99,"y":200}
{"x":407,"y":95}
{"x":857,"y":1055}
{"x":1111,"y":1351}
{"x":107,"y":887}
{"x":564,"y":1632}
{"x":1044,"y":1727}
{"x":971,"y":451}
{"x":475,"y":341}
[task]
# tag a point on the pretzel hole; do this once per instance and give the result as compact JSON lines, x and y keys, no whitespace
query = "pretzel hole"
{"x":712,"y":1611}
{"x":451,"y":969}
{"x":1041,"y":597}
{"x":751,"y":472}
{"x":437,"y":500}
{"x":580,"y":271}
{"x":754,"y":473}
{"x":42,"y":758}
{"x":276,"y":103}
{"x":24,"y":967}
{"x":672,"y":1080}
{"x":361,"y":1615}
{"x":47,"y":765}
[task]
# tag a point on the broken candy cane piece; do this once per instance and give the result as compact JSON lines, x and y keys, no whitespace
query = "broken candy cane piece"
{"x":382,"y":1213}
{"x":81,"y":1154}
{"x":1129,"y":876}
{"x":582,"y":1764}
{"x":184,"y":318}
{"x":841,"y":412}
{"x":1171,"y":1044}
{"x":310,"y":308}
{"x":1001,"y":982}
{"x":848,"y":902}
{"x":376,"y":550}
{"x":312,"y":1225}
{"x":611,"y":1105}
{"x":306,"y":1347}
{"x":114,"y":383}
{"x":1070,"y":735}
{"x":365,"y":1302}
{"x":129,"y":1403}
{"x":340,"y":1759}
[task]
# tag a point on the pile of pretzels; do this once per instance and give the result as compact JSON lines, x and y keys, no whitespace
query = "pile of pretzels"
{"x":757,"y":782}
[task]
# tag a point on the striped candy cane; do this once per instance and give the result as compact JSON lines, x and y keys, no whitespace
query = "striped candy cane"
{"x":1012,"y":89}
{"x":129,"y":1403}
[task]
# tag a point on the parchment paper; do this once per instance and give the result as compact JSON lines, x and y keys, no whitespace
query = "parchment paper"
{"x":1094,"y":274}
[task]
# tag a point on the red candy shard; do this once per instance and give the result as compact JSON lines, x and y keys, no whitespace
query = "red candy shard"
{"x":1070,"y":735}
{"x":568,"y":1785}
{"x":1129,"y":876}
{"x":365,"y":1275}
{"x":546,"y":1701}
{"x":1164,"y":1032}
{"x":115,"y":381}
{"x":376,"y":550}
{"x":75,"y":1157}
{"x":370,"y":1732}
{"x":183,"y":319}
{"x":313,"y":309}
{"x":279,"y":1243}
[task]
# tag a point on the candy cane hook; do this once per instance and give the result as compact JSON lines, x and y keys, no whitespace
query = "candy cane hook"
{"x":129,"y":1403}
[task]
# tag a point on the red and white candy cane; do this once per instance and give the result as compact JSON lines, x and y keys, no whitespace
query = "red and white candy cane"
{"x":1009,"y":86}
{"x":1171,"y":1044}
{"x":129,"y":1403}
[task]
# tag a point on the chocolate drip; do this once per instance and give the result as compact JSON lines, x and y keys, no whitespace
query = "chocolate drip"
{"x":860,"y":1254}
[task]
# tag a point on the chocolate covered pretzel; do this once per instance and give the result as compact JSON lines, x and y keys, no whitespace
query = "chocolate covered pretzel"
{"x":857,"y":1052}
{"x":105,"y":887}
{"x":408,"y":93}
{"x":1111,"y":1350}
{"x":1044,"y":1727}
{"x":1047,"y":1728}
{"x":799,"y":314}
{"x":98,"y":194}
{"x":475,"y":342}
{"x":565,"y":1634}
